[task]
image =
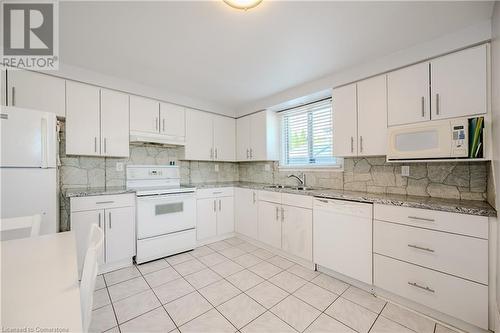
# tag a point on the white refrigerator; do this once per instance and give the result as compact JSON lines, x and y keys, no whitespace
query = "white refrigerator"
{"x":28,"y":166}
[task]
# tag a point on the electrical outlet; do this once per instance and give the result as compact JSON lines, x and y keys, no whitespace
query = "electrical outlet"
{"x":405,"y":170}
{"x":267,"y":167}
{"x":119,"y":166}
{"x":216,"y":166}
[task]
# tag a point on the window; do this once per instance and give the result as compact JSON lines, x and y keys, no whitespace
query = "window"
{"x":307,"y":136}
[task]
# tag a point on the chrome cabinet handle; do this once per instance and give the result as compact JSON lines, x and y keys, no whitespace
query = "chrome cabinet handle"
{"x":423,"y":106}
{"x":254,"y":197}
{"x":211,"y":153}
{"x":322,"y":200}
{"x":216,"y":192}
{"x":220,"y":205}
{"x":361,"y":143}
{"x":163,"y":124}
{"x":282,"y":214}
{"x":95,"y":144}
{"x":437,"y":104}
{"x":105,"y":145}
{"x":248,"y":154}
{"x":103,"y":202}
{"x":157,"y":124}
{"x":215,"y":205}
{"x":99,"y":215}
{"x":109,"y":220}
{"x":414,"y":284}
{"x":421,"y":218}
{"x":420,"y":248}
{"x":13,"y":95}
{"x":352,"y":144}
{"x":251,"y":153}
{"x":215,"y":153}
{"x":277,"y":213}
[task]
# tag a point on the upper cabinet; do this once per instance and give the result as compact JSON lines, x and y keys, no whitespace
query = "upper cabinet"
{"x":155,"y":121}
{"x":408,"y":95}
{"x":209,"y":137}
{"x":360,"y":118}
{"x":454,"y":85}
{"x":33,"y":90}
{"x":459,"y":83}
{"x":97,"y":121}
{"x":257,"y":137}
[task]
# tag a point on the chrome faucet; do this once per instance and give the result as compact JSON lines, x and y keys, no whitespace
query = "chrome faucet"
{"x":301,"y":178}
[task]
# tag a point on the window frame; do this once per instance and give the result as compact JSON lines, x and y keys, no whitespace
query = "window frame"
{"x":338,"y":166}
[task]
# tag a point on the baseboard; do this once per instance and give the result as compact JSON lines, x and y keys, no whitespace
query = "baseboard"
{"x":214,"y":239}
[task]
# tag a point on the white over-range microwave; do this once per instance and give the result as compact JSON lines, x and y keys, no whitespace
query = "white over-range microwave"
{"x":429,"y":140}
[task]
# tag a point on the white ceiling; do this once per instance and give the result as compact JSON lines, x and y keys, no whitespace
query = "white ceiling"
{"x":211,"y":52}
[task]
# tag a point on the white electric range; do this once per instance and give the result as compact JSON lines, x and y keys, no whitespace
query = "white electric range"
{"x":166,"y":211}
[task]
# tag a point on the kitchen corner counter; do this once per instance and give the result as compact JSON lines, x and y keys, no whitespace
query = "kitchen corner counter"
{"x":86,"y":191}
{"x":471,"y":207}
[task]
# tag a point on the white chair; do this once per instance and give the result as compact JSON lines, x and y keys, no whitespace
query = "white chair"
{"x":89,"y":274}
{"x":13,"y":224}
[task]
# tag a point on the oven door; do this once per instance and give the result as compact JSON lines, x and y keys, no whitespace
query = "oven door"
{"x":420,"y":141}
{"x":164,"y":214}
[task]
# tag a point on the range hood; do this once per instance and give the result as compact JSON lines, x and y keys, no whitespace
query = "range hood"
{"x":167,"y":140}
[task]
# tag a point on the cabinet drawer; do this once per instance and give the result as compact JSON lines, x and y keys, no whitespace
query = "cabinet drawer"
{"x":102,"y":202}
{"x":215,"y":192}
{"x":297,"y":200}
{"x":270,"y":196}
{"x":462,"y":256}
{"x":451,"y":295}
{"x":470,"y":225}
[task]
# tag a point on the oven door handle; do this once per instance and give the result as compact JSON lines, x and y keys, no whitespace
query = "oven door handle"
{"x":166,"y":198}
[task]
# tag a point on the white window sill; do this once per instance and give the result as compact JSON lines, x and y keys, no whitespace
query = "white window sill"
{"x":319,"y":168}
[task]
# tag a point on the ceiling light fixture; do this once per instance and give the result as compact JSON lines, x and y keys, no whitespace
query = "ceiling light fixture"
{"x":243,"y":4}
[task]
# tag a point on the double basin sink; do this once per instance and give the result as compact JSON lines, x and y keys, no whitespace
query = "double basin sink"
{"x":297,"y":188}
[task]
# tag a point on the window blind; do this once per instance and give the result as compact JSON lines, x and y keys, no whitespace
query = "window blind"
{"x":307,"y":135}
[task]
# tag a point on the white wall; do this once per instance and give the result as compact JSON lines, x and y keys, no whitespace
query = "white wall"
{"x":472,"y":35}
{"x":84,"y":75}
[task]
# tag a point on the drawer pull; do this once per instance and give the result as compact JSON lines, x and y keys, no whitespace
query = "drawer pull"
{"x":421,"y":218}
{"x":216,"y":192}
{"x":414,"y":284}
{"x":322,"y":200}
{"x":104,"y":202}
{"x":420,"y":248}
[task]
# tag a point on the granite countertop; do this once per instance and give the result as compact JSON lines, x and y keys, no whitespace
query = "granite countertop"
{"x":471,"y":207}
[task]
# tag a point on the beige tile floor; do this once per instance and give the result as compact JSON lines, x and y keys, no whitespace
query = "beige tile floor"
{"x":234,"y":286}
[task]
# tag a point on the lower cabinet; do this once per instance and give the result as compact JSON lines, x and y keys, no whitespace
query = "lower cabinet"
{"x":297,"y":231}
{"x":117,"y":222}
{"x":270,"y":223}
{"x":246,"y":212}
{"x":215,"y":213}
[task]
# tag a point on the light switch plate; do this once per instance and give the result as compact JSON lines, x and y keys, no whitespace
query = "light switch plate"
{"x":119,"y":166}
{"x":216,"y":166}
{"x":405,"y":170}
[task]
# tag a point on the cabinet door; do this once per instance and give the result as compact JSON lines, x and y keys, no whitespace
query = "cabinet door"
{"x":372,"y":116}
{"x":459,"y":84}
{"x":120,"y":233}
{"x":224,"y":138}
{"x":172,"y":120}
{"x":297,"y":231}
{"x":225,"y":215}
{"x":344,"y":121}
{"x":82,"y":119}
{"x":114,"y":123}
{"x":408,"y":95}
{"x":144,"y":114}
{"x":243,"y":138}
{"x":246,"y":212}
{"x":36,"y":91}
{"x":270,"y":223}
{"x":199,"y":135}
{"x":206,"y":220}
{"x":258,"y":136}
{"x":80,"y":225}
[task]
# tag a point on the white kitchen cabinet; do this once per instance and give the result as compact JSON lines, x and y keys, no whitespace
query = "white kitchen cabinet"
{"x":408,"y":95}
{"x":173,"y":122}
{"x":199,"y":136}
{"x":258,"y":137}
{"x":224,"y":138}
{"x":120,"y":229}
{"x":345,"y":133}
{"x":270,"y":223}
{"x":37,"y":91}
{"x":297,"y":231}
{"x":114,"y":123}
{"x":144,"y":114}
{"x":97,"y":121}
{"x":83,"y":135}
{"x":372,"y":116}
{"x":215,"y":213}
{"x":206,"y":212}
{"x":115,"y":215}
{"x":459,"y":83}
{"x":246,"y":212}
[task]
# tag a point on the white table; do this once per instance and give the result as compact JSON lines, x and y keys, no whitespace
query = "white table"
{"x":39,"y":282}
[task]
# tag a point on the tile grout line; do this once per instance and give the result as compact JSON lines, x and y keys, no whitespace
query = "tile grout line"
{"x":112,"y":305}
{"x":378,"y":316}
